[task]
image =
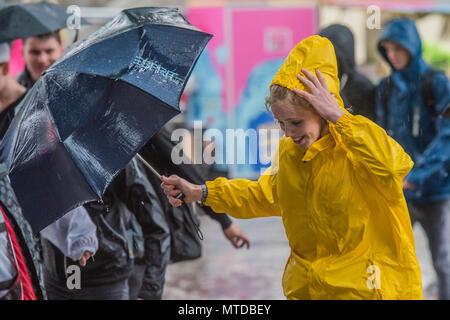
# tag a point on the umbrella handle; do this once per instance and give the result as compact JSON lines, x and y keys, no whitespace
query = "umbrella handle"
{"x":179,"y":196}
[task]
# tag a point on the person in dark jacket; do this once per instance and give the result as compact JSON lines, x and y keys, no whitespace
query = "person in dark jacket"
{"x":11,"y":92}
{"x":356,"y":90}
{"x":412,"y":104}
{"x":105,"y":276}
{"x":147,"y":280}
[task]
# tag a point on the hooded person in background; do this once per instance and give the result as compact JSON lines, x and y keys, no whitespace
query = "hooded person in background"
{"x":357,"y":91}
{"x":412,"y":105}
{"x":11,"y":92}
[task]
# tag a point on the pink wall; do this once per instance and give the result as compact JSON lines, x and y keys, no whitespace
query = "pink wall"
{"x":249,"y":36}
{"x":16,"y":63}
{"x":263,"y":34}
{"x":211,"y":20}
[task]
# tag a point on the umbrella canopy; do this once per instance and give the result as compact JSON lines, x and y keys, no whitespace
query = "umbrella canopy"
{"x":89,"y":114}
{"x":23,"y":20}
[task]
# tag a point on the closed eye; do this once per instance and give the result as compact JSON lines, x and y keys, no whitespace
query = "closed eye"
{"x":290,"y":122}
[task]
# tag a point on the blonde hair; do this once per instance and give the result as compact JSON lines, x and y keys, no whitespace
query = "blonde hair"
{"x":279,"y":93}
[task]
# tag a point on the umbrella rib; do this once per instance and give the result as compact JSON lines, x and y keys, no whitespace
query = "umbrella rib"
{"x":148,"y":165}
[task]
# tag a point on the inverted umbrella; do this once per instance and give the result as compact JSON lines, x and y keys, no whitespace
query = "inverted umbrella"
{"x":23,"y":20}
{"x":90,"y":113}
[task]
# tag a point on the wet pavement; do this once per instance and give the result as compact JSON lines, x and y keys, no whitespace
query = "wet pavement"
{"x":226,"y":273}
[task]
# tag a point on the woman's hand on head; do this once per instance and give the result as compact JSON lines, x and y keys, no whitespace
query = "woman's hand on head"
{"x":319,"y":96}
{"x":174,"y":185}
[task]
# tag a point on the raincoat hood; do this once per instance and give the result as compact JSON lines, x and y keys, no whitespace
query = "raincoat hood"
{"x":344,"y":44}
{"x":312,"y":53}
{"x":404,"y":32}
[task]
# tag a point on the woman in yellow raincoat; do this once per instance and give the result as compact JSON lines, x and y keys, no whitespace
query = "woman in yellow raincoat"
{"x":337,"y":184}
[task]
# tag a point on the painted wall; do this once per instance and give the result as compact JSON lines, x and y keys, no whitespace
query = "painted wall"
{"x":231,"y":79}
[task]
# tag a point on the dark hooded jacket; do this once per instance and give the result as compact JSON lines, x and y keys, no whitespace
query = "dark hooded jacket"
{"x":356,"y":90}
{"x":423,"y":132}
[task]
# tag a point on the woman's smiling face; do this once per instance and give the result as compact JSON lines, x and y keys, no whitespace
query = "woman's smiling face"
{"x":301,"y":124}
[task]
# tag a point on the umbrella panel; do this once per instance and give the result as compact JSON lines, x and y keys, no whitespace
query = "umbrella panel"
{"x":77,"y":141}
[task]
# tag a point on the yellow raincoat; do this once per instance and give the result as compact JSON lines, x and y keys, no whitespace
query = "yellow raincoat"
{"x":341,"y":201}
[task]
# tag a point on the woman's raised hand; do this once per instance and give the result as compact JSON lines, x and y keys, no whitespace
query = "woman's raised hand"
{"x":174,"y":185}
{"x":319,"y":96}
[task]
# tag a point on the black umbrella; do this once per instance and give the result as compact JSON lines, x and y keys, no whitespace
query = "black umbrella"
{"x":23,"y":20}
{"x":92,"y":111}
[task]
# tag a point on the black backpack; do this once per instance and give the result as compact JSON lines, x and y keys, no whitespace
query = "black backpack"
{"x":184,"y":226}
{"x":185,"y":234}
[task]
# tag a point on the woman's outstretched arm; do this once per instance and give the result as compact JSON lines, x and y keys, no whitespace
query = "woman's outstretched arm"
{"x":240,"y":198}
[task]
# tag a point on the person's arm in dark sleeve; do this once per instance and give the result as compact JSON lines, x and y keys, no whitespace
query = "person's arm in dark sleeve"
{"x":222,"y":218}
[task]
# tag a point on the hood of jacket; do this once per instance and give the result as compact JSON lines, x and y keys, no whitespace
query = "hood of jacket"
{"x":344,"y":45}
{"x":312,"y":53}
{"x":404,"y":32}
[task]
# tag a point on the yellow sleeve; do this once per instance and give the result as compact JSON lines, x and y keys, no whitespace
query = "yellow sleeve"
{"x":374,"y":149}
{"x":244,"y":199}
